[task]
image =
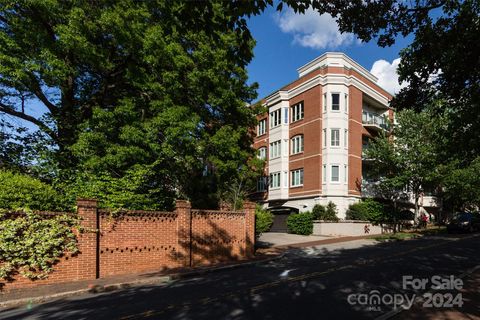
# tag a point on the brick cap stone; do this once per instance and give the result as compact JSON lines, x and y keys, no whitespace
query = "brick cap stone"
{"x":87,"y":202}
{"x":249,"y":205}
{"x":182,"y":204}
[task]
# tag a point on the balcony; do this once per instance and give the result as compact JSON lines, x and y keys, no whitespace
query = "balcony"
{"x":369,"y":188}
{"x":375,"y":121}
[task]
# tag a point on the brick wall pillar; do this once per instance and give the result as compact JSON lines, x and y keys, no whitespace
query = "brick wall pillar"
{"x":88,"y":239}
{"x":183,"y":209}
{"x":249,"y":208}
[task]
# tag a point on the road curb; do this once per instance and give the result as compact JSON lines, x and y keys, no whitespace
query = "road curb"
{"x":128,"y":284}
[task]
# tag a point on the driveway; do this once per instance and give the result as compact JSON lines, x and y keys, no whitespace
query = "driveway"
{"x":275,"y":239}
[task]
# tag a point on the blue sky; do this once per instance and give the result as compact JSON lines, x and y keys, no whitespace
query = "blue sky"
{"x":286,"y":41}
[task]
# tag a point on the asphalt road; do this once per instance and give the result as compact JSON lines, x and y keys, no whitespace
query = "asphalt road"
{"x":309,"y":283}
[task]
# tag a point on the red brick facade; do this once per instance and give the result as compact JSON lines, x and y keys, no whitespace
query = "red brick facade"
{"x":141,"y":241}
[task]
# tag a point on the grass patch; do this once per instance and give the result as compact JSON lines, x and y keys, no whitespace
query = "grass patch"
{"x":399,"y":236}
{"x":396,"y":236}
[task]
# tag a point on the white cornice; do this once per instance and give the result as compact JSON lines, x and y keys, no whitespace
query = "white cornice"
{"x":335,"y":59}
{"x":324,"y":80}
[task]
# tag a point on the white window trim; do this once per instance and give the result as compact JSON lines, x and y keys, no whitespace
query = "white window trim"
{"x":278,"y":154}
{"x":260,"y":151}
{"x":264,"y":127}
{"x":331,"y":174}
{"x":295,"y":111}
{"x":331,"y":140}
{"x":271,"y":187}
{"x":299,"y":138}
{"x":346,"y":103}
{"x":324,"y":138}
{"x":325,"y":104}
{"x":345,"y":138}
{"x":345,"y":172}
{"x":272,"y":117}
{"x":339,"y":102}
{"x":293,"y":180}
{"x":324,"y":173}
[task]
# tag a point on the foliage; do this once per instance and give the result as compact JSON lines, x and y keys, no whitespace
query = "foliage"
{"x":238,"y":188}
{"x":166,"y":92}
{"x":300,"y":223}
{"x":331,"y":212}
{"x":328,"y":213}
{"x":318,"y":212}
{"x":30,"y":244}
{"x":368,"y":210}
{"x":462,"y":185}
{"x":407,"y":162}
{"x":23,"y":191}
{"x":263,"y":220}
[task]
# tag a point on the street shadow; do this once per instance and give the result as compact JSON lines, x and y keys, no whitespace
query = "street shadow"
{"x":307,"y":283}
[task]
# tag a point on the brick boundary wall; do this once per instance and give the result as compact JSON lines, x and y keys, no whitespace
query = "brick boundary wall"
{"x":150,"y":241}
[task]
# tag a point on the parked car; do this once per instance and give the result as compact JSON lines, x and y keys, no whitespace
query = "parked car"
{"x":464,"y":222}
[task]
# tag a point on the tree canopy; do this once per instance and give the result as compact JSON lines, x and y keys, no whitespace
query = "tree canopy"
{"x":149,"y":93}
{"x":153,"y":94}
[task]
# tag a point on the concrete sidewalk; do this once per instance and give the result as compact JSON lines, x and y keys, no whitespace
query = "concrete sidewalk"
{"x":275,"y":239}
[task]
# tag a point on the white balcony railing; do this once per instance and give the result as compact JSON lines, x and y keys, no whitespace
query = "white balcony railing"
{"x":375,"y":120}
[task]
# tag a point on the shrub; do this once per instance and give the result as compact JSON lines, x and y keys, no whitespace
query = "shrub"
{"x":318,"y":212}
{"x":367,"y":209}
{"x":263,"y":220}
{"x":328,"y":213}
{"x":30,"y":243}
{"x":300,"y":223}
{"x":22,"y":191}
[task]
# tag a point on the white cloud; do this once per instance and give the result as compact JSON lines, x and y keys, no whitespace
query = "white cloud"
{"x":387,"y":75}
{"x":313,"y":30}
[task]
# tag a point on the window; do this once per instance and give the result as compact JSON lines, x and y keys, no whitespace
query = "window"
{"x":262,"y":127}
{"x":275,"y":149}
{"x":297,"y":178}
{"x":335,"y":174}
{"x":324,"y":173}
{"x":346,"y":103}
{"x":262,"y":184}
{"x":297,"y":144}
{"x":297,"y":112}
{"x":345,"y":139}
{"x":335,"y":138}
{"x":275,"y":180}
{"x":285,"y":115}
{"x":324,"y":102}
{"x":275,"y":118}
{"x":335,"y":102}
{"x":262,"y":153}
{"x":324,"y":137}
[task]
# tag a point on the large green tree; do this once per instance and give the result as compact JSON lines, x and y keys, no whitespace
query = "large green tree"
{"x":150,"y":93}
{"x":408,"y":160}
{"x":132,"y":88}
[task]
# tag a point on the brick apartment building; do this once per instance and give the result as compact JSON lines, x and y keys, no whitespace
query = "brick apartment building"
{"x":314,"y":132}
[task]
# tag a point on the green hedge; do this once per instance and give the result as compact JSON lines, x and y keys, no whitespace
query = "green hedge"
{"x":368,"y":209}
{"x":300,"y":223}
{"x":328,"y":213}
{"x":22,"y":191}
{"x":263,"y":220}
